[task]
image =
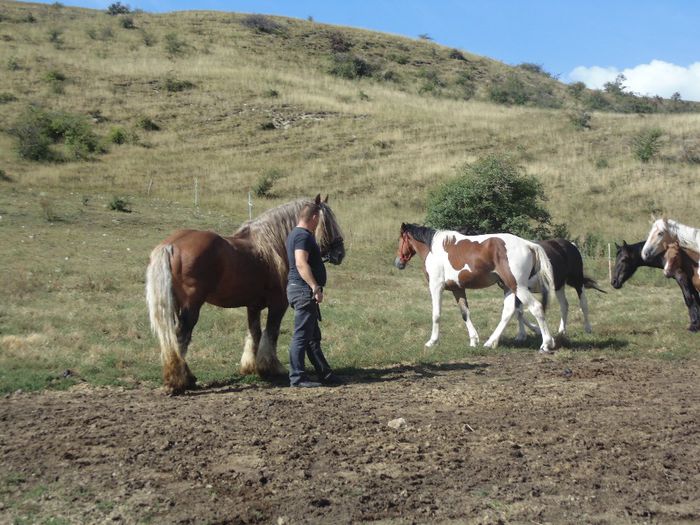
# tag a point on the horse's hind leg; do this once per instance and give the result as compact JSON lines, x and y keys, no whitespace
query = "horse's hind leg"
{"x":536,"y":309}
{"x":461,"y":297}
{"x":564,"y":309}
{"x":584,"y":309}
{"x":252,"y":342}
{"x":266,"y":361}
{"x":176,"y":373}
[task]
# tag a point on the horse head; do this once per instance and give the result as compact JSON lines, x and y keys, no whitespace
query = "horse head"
{"x":659,"y":236}
{"x":672,"y":259}
{"x":405,"y":250}
{"x":626,"y":263}
{"x":328,"y":234}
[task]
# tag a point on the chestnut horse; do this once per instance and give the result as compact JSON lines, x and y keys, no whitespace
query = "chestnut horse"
{"x":455,"y":262}
{"x":629,"y":258}
{"x":567,"y":265}
{"x":249,"y":268}
{"x":678,"y":259}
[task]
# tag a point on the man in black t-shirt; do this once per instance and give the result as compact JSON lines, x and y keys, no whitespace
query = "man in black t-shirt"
{"x":307,"y":277}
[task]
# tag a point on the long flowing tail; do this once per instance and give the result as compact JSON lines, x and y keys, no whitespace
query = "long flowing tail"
{"x":591,"y":283}
{"x":162,"y":305}
{"x":544,"y":271}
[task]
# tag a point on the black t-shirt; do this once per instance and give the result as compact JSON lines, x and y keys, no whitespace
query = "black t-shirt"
{"x":302,"y":239}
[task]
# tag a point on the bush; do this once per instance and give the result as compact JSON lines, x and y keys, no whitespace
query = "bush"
{"x":127,"y":22}
{"x":173,"y":85}
{"x":339,"y":43}
{"x":173,"y":45}
{"x":37,"y":130}
{"x":118,"y":8}
{"x":456,"y":54}
{"x":119,"y":204}
{"x":351,"y":67}
{"x":119,"y":135}
{"x":264,"y":184}
{"x":147,"y":124}
{"x":262,"y":24}
{"x":489,"y":196}
{"x":512,"y":90}
{"x":580,"y":119}
{"x":646,"y":144}
{"x":537,"y":69}
{"x":6,"y":97}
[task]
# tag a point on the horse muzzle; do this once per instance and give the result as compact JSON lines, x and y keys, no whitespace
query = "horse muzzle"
{"x":399,"y":263}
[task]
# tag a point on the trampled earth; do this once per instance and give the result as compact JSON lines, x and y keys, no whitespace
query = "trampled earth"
{"x":515,"y":437}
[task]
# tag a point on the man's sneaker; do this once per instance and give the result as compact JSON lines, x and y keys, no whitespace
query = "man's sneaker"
{"x":331,"y":379}
{"x":306,"y":384}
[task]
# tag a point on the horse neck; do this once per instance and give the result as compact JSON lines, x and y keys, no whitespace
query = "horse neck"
{"x":687,"y":237}
{"x":655,"y":262}
{"x":421,"y":248}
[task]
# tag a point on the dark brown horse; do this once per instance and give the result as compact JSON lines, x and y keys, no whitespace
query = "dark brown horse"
{"x":249,"y":268}
{"x":567,"y":266}
{"x":629,"y":258}
{"x":679,"y":259}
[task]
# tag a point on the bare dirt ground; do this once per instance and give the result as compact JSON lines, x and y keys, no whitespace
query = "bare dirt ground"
{"x":516,"y":438}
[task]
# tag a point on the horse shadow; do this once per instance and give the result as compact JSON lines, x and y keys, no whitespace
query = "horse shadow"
{"x":566,"y":343}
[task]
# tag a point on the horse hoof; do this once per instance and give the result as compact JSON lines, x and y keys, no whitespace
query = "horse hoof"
{"x":491,"y":344}
{"x":430,"y":344}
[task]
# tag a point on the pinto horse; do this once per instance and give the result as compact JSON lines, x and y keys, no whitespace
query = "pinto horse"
{"x":567,"y":265}
{"x":629,"y":258}
{"x":455,"y":262}
{"x":678,"y":259}
{"x":249,"y":268}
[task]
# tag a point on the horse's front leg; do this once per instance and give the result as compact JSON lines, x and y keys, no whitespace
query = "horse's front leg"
{"x":252,"y":342}
{"x":508,"y":311}
{"x":564,"y":310}
{"x":267,"y":362}
{"x":436,"y":296}
{"x":461,"y":297}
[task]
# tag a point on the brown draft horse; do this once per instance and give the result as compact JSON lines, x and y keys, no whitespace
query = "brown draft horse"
{"x":680,"y":259}
{"x":567,"y":265}
{"x":249,"y":268}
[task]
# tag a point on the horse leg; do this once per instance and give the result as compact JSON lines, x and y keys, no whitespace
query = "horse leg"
{"x":564,"y":309}
{"x":584,"y":309}
{"x":252,"y":341}
{"x":436,"y":297}
{"x":176,"y":373}
{"x":509,"y":308}
{"x":536,"y":309}
{"x":461,"y":297}
{"x":690,"y":296}
{"x":266,"y":361}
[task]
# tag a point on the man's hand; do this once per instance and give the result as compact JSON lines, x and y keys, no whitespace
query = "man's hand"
{"x":318,"y":294}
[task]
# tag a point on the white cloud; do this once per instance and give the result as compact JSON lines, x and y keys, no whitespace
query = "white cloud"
{"x":655,"y":78}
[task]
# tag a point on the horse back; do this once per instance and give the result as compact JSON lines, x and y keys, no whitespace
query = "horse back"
{"x":567,"y":263}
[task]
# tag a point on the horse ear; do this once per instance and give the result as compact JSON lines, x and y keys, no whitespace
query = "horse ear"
{"x":624,"y":243}
{"x":317,"y":200}
{"x":617,"y":246}
{"x":326,"y":199}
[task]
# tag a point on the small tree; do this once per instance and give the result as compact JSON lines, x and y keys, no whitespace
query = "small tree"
{"x":118,"y":8}
{"x":489,"y":196}
{"x":646,"y":144}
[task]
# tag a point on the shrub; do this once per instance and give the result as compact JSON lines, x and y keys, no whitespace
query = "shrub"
{"x":55,"y":37}
{"x":37,"y":130}
{"x":173,"y":85}
{"x":4,"y":176}
{"x":148,"y":39}
{"x":119,"y":135}
{"x":456,"y":54}
{"x":576,"y":89}
{"x":127,"y":22}
{"x":537,"y":69}
{"x":262,"y":24}
{"x":173,"y":45}
{"x":7,"y":97}
{"x":489,"y":196}
{"x":147,"y":124}
{"x":646,"y":144}
{"x":339,"y":43}
{"x":13,"y":64}
{"x":580,"y":119}
{"x":512,"y":90}
{"x":264,"y":184}
{"x":119,"y":204}
{"x":118,"y":8}
{"x":348,"y":66}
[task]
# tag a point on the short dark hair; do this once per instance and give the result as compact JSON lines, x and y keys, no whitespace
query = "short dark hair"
{"x":309,"y":210}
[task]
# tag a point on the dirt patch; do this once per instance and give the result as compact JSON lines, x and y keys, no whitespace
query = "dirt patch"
{"x":511,"y":438}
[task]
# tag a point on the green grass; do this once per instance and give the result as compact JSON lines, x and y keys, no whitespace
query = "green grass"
{"x":72,"y":303}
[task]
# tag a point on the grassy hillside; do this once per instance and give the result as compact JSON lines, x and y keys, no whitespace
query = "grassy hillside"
{"x":236,"y":102}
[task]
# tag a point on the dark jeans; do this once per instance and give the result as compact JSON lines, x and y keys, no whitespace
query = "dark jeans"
{"x":306,"y":339}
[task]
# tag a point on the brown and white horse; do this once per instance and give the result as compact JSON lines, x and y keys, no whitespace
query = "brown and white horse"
{"x":455,"y":262}
{"x":677,"y":259}
{"x":249,"y":268}
{"x":567,"y":265}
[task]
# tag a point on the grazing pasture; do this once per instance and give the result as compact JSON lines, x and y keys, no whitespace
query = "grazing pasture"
{"x":169,"y":122}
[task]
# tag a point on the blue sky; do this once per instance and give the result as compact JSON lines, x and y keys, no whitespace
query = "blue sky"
{"x":654,"y":43}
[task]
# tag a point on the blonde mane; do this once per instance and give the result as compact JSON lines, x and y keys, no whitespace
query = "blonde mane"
{"x":269,"y":232}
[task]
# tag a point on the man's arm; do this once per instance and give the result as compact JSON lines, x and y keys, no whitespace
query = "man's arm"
{"x":301,"y":258}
